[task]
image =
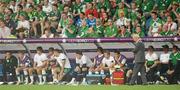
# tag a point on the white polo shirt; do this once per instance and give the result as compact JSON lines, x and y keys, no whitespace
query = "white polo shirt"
{"x":84,"y":60}
{"x":39,"y":59}
{"x":151,"y":57}
{"x":164,"y":57}
{"x":63,"y":58}
{"x":108,"y":61}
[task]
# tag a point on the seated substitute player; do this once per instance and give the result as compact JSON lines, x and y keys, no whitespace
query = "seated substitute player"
{"x":10,"y":64}
{"x":40,"y":66}
{"x":107,"y":64}
{"x":62,"y":68}
{"x":24,"y":64}
{"x":151,"y":64}
{"x":120,"y":60}
{"x":173,"y":74}
{"x":83,"y":63}
{"x":164,"y":65}
{"x":97,"y":61}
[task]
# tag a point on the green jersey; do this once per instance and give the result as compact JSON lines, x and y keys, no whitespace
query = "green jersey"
{"x":163,"y":4}
{"x":167,"y":33}
{"x":111,"y":31}
{"x":77,"y":8}
{"x":88,"y":0}
{"x":126,"y":34}
{"x":63,"y":23}
{"x":148,"y":5}
{"x":125,"y":11}
{"x":133,"y":15}
{"x":105,"y":5}
{"x":99,"y":30}
{"x":41,"y":15}
{"x":141,"y":34}
{"x":139,"y":2}
{"x":83,"y":32}
{"x":92,"y":35}
{"x":71,"y":35}
{"x":174,"y":57}
{"x":32,"y":15}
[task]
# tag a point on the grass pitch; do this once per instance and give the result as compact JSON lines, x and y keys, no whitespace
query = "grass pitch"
{"x":89,"y":87}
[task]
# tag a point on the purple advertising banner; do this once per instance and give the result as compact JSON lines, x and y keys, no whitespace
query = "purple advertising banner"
{"x":87,"y":40}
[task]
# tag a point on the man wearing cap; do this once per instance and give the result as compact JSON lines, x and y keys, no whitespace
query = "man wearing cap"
{"x":164,"y":60}
{"x":139,"y":53}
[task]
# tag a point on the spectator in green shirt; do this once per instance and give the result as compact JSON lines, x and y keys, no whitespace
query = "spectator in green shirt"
{"x":162,"y":4}
{"x":174,"y":10}
{"x":155,"y":24}
{"x":133,"y":11}
{"x":83,"y":31}
{"x":70,"y":30}
{"x":91,"y":33}
{"x":77,"y":7}
{"x":123,"y":32}
{"x":174,"y":66}
{"x":139,"y":31}
{"x":103,"y":4}
{"x":147,"y":5}
{"x":99,"y":28}
{"x":121,"y":8}
{"x":111,"y":30}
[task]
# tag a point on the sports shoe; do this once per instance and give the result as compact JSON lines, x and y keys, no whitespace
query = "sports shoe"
{"x":41,"y":83}
{"x":84,"y":83}
{"x":31,"y":83}
{"x":178,"y":82}
{"x":10,"y":83}
{"x":1,"y":83}
{"x":18,"y":83}
{"x":70,"y":83}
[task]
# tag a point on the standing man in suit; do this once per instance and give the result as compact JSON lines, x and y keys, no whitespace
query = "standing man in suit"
{"x":139,"y":61}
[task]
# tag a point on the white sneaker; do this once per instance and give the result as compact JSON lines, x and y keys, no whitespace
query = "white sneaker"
{"x":10,"y":83}
{"x":157,"y":82}
{"x":70,"y":83}
{"x":41,"y":83}
{"x":84,"y":83}
{"x":31,"y":83}
{"x":18,"y":83}
{"x":75,"y":84}
{"x":1,"y":83}
{"x":26,"y":83}
{"x":178,"y":82}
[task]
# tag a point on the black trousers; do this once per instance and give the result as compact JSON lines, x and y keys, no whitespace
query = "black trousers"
{"x":139,"y":67}
{"x":176,"y":73}
{"x":163,"y":69}
{"x":151,"y":74}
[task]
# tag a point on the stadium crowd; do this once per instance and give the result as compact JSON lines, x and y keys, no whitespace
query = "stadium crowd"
{"x":56,"y":68}
{"x":88,"y":18}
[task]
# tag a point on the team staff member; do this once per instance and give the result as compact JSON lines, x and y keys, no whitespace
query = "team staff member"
{"x":139,"y":52}
{"x":10,"y":64}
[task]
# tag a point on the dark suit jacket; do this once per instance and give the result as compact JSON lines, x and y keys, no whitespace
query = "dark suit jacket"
{"x":139,"y":52}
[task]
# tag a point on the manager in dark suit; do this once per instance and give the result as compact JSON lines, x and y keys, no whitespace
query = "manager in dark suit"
{"x":139,"y":61}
